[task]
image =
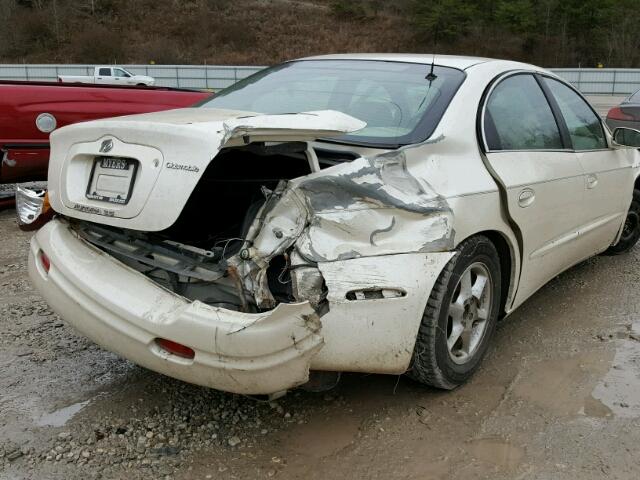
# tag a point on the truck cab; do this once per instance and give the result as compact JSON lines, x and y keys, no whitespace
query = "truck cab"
{"x":119,"y":76}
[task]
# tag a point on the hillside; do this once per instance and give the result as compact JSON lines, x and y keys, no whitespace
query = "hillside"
{"x":547,"y":32}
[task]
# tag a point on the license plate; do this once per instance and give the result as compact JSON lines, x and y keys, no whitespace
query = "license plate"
{"x":112,"y":179}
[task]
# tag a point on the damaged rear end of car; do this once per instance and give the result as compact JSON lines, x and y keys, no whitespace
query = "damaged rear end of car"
{"x":224,"y":249}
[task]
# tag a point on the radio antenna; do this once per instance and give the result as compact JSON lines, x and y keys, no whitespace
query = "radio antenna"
{"x":432,"y":76}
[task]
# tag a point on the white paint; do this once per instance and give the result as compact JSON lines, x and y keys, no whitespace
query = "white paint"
{"x":375,"y":335}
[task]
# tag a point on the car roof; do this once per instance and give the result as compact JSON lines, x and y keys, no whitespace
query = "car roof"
{"x":455,"y":61}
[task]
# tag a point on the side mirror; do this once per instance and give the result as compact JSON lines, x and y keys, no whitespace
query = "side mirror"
{"x":626,"y":137}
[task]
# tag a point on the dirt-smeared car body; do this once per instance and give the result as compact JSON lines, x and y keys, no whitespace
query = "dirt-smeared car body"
{"x":265,"y":251}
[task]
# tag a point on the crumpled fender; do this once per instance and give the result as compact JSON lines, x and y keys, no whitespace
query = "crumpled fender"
{"x":368,"y":207}
{"x":372,"y":206}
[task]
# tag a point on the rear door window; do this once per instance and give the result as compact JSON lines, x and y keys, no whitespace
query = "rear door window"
{"x":518,"y":117}
{"x":104,"y":72}
{"x":584,"y":125}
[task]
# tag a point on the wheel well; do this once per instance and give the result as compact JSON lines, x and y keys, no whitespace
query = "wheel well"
{"x":636,"y":185}
{"x":506,"y":264}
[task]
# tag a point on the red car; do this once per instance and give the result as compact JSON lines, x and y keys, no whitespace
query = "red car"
{"x":29,"y":111}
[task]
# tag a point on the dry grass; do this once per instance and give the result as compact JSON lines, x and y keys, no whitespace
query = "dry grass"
{"x":254,"y":32}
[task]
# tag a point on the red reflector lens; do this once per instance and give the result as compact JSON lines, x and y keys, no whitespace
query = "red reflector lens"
{"x":44,"y":260}
{"x":176,"y":349}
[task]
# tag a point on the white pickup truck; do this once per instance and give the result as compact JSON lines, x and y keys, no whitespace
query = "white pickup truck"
{"x":109,"y":76}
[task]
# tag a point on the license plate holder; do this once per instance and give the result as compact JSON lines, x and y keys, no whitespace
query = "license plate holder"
{"x":112,"y":179}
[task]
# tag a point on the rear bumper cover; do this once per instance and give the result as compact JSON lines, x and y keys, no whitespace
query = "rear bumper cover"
{"x":123,"y":311}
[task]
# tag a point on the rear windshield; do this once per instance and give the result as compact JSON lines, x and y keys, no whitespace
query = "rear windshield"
{"x":400,"y":102}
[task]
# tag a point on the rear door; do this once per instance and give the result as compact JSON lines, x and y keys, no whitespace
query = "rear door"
{"x":542,"y":180}
{"x":608,"y":177}
{"x":104,"y":76}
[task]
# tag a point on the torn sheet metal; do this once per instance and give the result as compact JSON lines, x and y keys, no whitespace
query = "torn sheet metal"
{"x":372,"y":206}
{"x":367,"y":207}
{"x":277,"y":225}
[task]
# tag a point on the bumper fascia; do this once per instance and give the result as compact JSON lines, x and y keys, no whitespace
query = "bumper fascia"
{"x":123,"y":311}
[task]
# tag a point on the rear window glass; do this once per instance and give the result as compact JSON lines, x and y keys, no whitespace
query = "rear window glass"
{"x":396,"y":99}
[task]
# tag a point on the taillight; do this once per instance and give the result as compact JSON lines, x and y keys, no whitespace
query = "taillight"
{"x":44,"y":261}
{"x":616,"y":113}
{"x":175,"y":348}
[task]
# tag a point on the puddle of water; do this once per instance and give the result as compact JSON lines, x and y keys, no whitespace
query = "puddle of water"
{"x":619,"y":390}
{"x":497,"y":452}
{"x":60,"y":417}
{"x":595,"y":408}
{"x":560,"y":386}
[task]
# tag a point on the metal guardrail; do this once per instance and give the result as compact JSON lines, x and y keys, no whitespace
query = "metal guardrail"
{"x":590,"y":81}
{"x":206,"y":77}
{"x":605,"y":81}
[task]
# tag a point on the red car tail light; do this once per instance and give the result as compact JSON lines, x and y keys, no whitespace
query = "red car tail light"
{"x":175,"y":348}
{"x":616,"y":113}
{"x":44,"y":261}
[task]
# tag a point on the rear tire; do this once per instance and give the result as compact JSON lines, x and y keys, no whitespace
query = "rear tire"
{"x":631,"y":229}
{"x":460,"y":317}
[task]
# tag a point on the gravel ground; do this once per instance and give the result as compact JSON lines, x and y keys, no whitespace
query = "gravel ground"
{"x":557,"y":398}
{"x":7,"y":189}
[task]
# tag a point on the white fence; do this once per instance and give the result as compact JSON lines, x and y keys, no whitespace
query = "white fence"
{"x":608,"y":81}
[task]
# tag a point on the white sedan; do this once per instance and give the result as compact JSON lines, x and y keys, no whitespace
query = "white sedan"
{"x":368,"y":213}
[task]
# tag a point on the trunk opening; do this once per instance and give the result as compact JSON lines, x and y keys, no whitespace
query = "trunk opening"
{"x":231,"y":191}
{"x":190,"y":257}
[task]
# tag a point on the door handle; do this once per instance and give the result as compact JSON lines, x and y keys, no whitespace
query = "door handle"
{"x":592,"y":180}
{"x":526,"y":197}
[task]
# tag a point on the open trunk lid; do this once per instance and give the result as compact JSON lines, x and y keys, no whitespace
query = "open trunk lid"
{"x":139,"y":171}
